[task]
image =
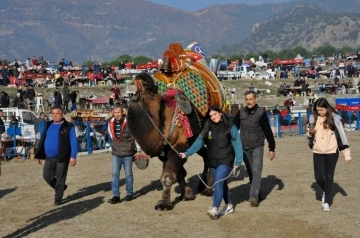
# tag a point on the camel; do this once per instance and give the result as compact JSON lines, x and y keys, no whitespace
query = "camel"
{"x":165,"y":122}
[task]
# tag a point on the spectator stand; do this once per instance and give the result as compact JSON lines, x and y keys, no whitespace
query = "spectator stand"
{"x":99,"y":103}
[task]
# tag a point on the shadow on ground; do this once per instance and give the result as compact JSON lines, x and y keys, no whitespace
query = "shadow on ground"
{"x":90,"y":190}
{"x":241,"y":193}
{"x":336,"y":189}
{"x":56,"y":215}
{"x":4,"y":192}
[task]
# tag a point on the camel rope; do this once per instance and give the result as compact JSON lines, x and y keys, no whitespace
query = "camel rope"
{"x":233,"y":172}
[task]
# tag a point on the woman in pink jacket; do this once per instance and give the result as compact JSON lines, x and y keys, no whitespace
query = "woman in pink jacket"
{"x":329,"y":138}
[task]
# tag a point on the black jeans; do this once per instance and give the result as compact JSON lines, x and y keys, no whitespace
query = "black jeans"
{"x":324,"y":169}
{"x":66,"y":106}
{"x":54,"y":173}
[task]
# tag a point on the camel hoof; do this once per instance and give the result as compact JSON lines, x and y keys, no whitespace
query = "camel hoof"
{"x":163,"y":205}
{"x":189,"y":198}
{"x":207,"y":192}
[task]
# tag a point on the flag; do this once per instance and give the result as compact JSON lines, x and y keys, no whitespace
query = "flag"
{"x":195,"y":50}
{"x":195,"y":47}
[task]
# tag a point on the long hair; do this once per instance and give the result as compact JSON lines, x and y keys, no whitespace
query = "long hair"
{"x":329,"y":122}
{"x":224,"y":122}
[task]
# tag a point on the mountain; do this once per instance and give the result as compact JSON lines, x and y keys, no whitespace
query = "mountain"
{"x":306,"y":26}
{"x":82,"y":30}
{"x":191,"y":5}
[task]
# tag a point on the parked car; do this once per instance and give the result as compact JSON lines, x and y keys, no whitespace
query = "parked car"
{"x":51,"y":70}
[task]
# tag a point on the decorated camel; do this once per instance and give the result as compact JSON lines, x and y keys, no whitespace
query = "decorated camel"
{"x":166,"y":113}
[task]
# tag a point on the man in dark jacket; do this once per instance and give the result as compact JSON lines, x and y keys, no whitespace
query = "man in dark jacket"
{"x":123,"y":150}
{"x":255,"y":127}
{"x":73,"y":96}
{"x":66,"y":97}
{"x":2,"y":126}
{"x":4,"y":100}
{"x":59,"y":147}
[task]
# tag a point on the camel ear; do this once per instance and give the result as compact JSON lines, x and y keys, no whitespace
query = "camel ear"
{"x":177,"y":48}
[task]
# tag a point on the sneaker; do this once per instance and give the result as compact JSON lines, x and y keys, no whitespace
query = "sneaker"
{"x":128,"y":198}
{"x":212,"y":213}
{"x":326,"y":207}
{"x":253,"y":202}
{"x":114,"y":200}
{"x":227,"y":210}
{"x":323,"y":198}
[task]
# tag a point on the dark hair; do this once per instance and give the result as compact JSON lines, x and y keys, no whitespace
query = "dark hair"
{"x":250,"y":92}
{"x":57,"y":108}
{"x":117,"y":106}
{"x":329,"y":122}
{"x":226,"y":127}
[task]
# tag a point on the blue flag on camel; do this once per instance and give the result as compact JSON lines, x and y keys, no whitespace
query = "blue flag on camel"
{"x":194,"y":46}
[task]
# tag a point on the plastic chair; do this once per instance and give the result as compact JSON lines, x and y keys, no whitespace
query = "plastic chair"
{"x":39,"y":106}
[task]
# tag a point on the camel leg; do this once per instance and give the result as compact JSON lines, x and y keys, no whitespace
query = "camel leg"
{"x":186,"y":192}
{"x":206,"y":177}
{"x":167,"y":181}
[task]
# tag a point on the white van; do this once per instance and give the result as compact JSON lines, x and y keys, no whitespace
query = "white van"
{"x":27,"y":121}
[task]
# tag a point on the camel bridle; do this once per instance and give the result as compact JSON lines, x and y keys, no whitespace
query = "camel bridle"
{"x":141,"y":102}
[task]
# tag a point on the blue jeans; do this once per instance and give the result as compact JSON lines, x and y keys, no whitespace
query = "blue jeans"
{"x":117,"y":163}
{"x":221,"y":189}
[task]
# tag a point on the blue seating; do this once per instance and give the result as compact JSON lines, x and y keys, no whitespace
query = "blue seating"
{"x":13,"y":131}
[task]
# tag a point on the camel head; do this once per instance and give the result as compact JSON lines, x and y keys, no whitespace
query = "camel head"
{"x":145,"y":86}
{"x":145,"y":111}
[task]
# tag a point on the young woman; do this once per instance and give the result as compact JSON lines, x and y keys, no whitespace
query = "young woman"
{"x":329,"y":138}
{"x":223,"y":145}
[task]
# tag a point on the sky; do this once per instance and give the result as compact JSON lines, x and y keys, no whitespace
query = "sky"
{"x":193,"y":5}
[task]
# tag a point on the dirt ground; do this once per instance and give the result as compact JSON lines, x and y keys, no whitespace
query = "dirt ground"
{"x":291,"y":207}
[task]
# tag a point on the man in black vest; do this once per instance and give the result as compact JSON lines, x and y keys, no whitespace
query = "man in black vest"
{"x":254,"y":126}
{"x":58,"y":146}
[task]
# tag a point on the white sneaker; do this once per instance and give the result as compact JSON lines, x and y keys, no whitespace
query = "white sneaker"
{"x":323,"y":198}
{"x":212,"y":213}
{"x":326,"y":207}
{"x":227,"y":210}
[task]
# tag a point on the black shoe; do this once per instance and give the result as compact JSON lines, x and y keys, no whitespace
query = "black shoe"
{"x":58,"y":203}
{"x":128,"y":198}
{"x":114,"y":200}
{"x":253,"y":202}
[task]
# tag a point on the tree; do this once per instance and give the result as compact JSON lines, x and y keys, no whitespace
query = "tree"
{"x":270,"y":54}
{"x":325,"y":50}
{"x":122,"y":58}
{"x":220,"y":57}
{"x":300,"y":50}
{"x":235,"y":56}
{"x":141,"y":59}
{"x":348,"y":50}
{"x":251,"y":55}
{"x":88,"y":63}
{"x":286,"y":54}
{"x":5,"y":61}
